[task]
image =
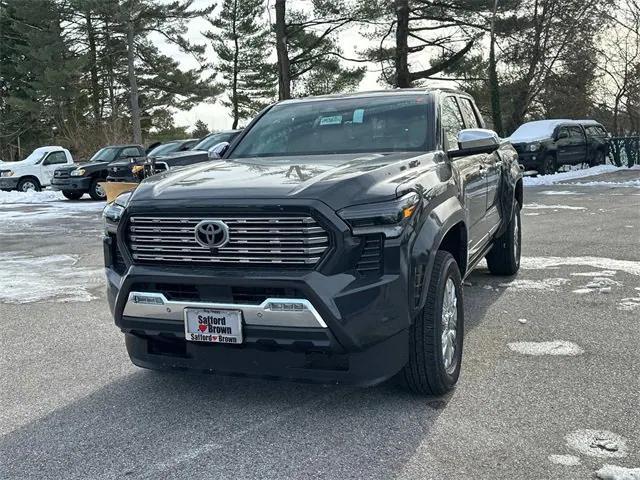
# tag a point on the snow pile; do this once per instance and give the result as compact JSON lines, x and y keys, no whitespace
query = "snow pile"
{"x":556,"y":347}
{"x":538,"y":206}
{"x":570,"y":175}
{"x":597,"y":443}
{"x":613,"y":472}
{"x":568,"y":460}
{"x":27,"y":279}
{"x":21,"y":198}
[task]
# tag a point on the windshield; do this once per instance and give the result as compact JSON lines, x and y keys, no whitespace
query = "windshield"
{"x":349,"y":125}
{"x":36,"y":156}
{"x":208,"y":142}
{"x":165,"y":148}
{"x":106,"y":154}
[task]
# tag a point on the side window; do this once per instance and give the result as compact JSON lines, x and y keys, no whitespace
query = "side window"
{"x":55,"y":158}
{"x":601,"y":131}
{"x":563,"y":133}
{"x":576,"y":133}
{"x":451,"y":122}
{"x":470,"y":119}
{"x":130,"y":152}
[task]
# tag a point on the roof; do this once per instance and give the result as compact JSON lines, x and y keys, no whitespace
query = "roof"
{"x":49,"y":148}
{"x":376,"y":93}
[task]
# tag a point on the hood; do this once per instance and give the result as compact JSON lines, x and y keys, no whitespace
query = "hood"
{"x":338,"y":180}
{"x":15,"y":165}
{"x":92,"y":165}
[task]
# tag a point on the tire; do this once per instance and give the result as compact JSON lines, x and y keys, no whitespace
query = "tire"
{"x":598,"y":159}
{"x":72,"y":195}
{"x":504,"y":256}
{"x":29,"y":183}
{"x":5,"y":189}
{"x":96,"y":192}
{"x":549,"y":166}
{"x":428,"y":372}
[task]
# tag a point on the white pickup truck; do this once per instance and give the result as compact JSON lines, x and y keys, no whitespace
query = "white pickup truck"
{"x":35,"y":171}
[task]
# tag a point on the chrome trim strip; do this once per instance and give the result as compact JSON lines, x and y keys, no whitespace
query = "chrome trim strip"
{"x":264,"y":315}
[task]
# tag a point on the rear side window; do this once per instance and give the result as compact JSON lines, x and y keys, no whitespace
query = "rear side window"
{"x":130,"y":152}
{"x":451,"y":122}
{"x":596,"y":131}
{"x":576,"y":133}
{"x":470,"y":119}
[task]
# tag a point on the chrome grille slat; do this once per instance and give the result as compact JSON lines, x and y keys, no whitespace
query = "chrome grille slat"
{"x":278,"y":240}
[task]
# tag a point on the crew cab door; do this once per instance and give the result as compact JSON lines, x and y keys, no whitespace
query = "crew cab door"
{"x":50,"y":164}
{"x":578,"y":145}
{"x":470,"y":169}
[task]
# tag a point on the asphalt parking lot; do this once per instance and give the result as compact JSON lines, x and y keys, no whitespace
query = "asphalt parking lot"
{"x":73,"y":407}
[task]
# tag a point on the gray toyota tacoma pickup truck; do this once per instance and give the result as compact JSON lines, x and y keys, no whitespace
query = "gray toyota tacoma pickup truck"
{"x":328,"y":243}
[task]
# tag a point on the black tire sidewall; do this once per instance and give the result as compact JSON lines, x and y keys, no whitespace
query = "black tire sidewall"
{"x":72,"y":195}
{"x":92,"y":190}
{"x":449,"y":270}
{"x":549,"y":166}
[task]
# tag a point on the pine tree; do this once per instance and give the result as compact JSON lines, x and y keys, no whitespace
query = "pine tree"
{"x":200,"y":129}
{"x":241,"y":41}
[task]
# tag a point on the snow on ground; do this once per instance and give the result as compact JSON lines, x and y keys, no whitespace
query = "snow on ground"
{"x":613,"y":472}
{"x":539,"y":206}
{"x":25,"y":279}
{"x":30,"y":197}
{"x":555,"y":347}
{"x":548,"y":284}
{"x":570,"y":175}
{"x":599,"y":284}
{"x":568,"y":460}
{"x":597,"y":443}
{"x":602,"y":273}
{"x":560,"y":192}
{"x":607,"y":264}
{"x":629,"y":304}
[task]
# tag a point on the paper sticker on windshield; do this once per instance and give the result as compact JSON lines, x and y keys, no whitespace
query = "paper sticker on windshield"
{"x":335,"y":120}
{"x":358,"y":116}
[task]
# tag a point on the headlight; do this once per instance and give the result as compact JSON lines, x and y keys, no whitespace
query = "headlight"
{"x":389,"y":218}
{"x":534,"y":147}
{"x":78,"y":172}
{"x":113,"y":212}
{"x":6,"y":173}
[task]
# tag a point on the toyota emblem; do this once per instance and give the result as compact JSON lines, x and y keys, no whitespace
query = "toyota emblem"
{"x":212,"y":233}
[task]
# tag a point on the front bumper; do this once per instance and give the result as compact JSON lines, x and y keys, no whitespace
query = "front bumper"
{"x":72,"y":184}
{"x":352,"y":329}
{"x":9,"y":183}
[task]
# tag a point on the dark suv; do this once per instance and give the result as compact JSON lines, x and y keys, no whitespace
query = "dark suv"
{"x":546,"y":145}
{"x":328,"y":244}
{"x":83,"y":178}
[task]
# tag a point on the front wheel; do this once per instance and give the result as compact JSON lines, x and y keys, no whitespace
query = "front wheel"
{"x":598,"y":159}
{"x":549,"y":165}
{"x":504,"y":256}
{"x":28,"y":185}
{"x":435,"y":338}
{"x":96,"y":192}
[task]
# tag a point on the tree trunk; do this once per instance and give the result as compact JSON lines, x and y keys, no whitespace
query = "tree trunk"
{"x":93,"y":68}
{"x":133,"y":83}
{"x":284,"y":77}
{"x":403,"y":78}
{"x":236,"y":53}
{"x":494,"y":86}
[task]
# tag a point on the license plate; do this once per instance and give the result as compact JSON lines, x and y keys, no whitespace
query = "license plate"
{"x":213,"y":326}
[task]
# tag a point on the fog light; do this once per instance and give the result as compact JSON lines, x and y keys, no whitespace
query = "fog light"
{"x":286,"y":306}
{"x":148,"y":299}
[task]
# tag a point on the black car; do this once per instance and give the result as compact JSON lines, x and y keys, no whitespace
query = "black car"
{"x":79,"y":179}
{"x":328,"y":244}
{"x":172,"y":147}
{"x":204,"y":150}
{"x":546,"y":145}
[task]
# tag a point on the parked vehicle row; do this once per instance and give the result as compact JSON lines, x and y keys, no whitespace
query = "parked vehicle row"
{"x":546,"y":145}
{"x":36,"y":171}
{"x":329,"y":245}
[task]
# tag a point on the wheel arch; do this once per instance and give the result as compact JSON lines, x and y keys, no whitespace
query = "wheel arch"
{"x":22,"y":178}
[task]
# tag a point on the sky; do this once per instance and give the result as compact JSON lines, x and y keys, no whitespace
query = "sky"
{"x":215,"y":115}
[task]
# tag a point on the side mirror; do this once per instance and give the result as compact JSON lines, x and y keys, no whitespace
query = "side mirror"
{"x":476,"y":140}
{"x":218,"y":150}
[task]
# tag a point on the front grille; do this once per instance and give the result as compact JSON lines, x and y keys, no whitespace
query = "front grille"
{"x":62,"y":173}
{"x":283,"y":240}
{"x":370,"y":262}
